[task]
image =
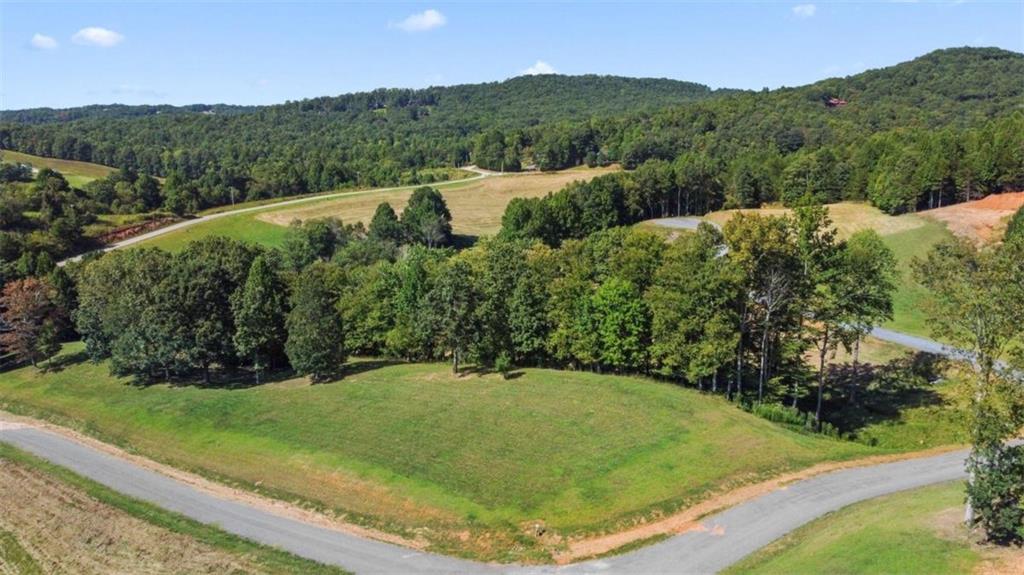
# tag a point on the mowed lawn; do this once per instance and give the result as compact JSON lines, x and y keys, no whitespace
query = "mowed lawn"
{"x":466,"y":464}
{"x":76,"y":173}
{"x":913,"y":532}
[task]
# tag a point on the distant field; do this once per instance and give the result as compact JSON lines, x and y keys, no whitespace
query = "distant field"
{"x":917,"y":532}
{"x":848,"y":217}
{"x":909,"y":301}
{"x":77,"y":173}
{"x":466,"y":463}
{"x":476,"y":207}
{"x":57,"y":522}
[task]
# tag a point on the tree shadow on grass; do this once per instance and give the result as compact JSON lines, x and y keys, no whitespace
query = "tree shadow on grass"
{"x":864,"y":395}
{"x":61,"y":362}
{"x":357,"y":367}
{"x":463,"y":241}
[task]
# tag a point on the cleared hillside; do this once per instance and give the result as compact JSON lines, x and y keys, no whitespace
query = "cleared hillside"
{"x":467,"y":463}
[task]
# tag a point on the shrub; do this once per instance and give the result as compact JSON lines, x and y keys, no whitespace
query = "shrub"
{"x":997,"y":492}
{"x":503,"y":365}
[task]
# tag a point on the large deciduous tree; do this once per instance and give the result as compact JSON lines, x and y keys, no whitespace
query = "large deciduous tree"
{"x":977,"y":303}
{"x":30,"y":320}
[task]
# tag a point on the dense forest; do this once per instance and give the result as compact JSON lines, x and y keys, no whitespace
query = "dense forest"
{"x":937,"y":109}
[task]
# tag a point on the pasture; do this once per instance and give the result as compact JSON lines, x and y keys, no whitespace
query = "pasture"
{"x":476,"y":207}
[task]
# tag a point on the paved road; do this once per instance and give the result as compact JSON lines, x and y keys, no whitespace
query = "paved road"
{"x":917,"y":343}
{"x":681,"y":222}
{"x":728,"y":536}
{"x":480,"y":174}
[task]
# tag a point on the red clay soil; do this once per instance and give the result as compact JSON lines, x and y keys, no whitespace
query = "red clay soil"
{"x":981,"y":221}
{"x":133,"y":230}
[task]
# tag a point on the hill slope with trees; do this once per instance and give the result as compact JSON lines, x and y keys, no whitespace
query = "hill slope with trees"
{"x":211,"y":154}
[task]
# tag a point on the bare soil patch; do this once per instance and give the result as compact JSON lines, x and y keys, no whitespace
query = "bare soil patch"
{"x":980,"y":221}
{"x":996,"y":560}
{"x":476,"y":207}
{"x":67,"y":531}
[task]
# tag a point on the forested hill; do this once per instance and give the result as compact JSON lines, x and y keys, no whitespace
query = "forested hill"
{"x":210,"y":154}
{"x":517,"y":102}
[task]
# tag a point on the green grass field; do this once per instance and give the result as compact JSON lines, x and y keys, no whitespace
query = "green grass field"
{"x":465,"y":463}
{"x":268,"y":559}
{"x":14,"y":558}
{"x":914,"y":532}
{"x":76,"y":173}
{"x":908,"y":302}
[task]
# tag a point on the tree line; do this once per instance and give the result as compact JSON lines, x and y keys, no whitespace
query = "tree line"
{"x":880,"y":146}
{"x":735,"y":312}
{"x":732,"y":312}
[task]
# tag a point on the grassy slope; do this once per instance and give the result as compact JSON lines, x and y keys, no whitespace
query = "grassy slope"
{"x":908,"y":312}
{"x":406,"y":446}
{"x":900,"y":533}
{"x":77,"y":173}
{"x":274,"y":560}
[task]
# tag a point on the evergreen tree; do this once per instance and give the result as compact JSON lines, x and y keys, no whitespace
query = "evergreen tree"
{"x":316,"y":339}
{"x":426,"y":218}
{"x":259,"y":311}
{"x":385,"y":225}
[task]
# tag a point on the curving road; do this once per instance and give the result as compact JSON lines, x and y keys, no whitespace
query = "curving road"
{"x":480,"y":174}
{"x":724,"y":539}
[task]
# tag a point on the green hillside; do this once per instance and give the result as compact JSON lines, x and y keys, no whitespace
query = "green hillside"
{"x":465,"y":462}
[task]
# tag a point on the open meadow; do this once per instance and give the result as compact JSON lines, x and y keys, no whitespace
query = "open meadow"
{"x":476,"y":207}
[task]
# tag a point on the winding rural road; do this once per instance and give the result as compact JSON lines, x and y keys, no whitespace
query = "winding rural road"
{"x":721,"y":540}
{"x":480,"y":174}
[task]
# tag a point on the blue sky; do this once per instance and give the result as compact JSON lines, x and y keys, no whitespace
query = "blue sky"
{"x":62,"y":54}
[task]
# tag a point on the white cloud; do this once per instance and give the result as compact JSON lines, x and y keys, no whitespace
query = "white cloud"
{"x":539,"y":67}
{"x":43,"y":42}
{"x":95,"y":36}
{"x":804,"y":10}
{"x":426,"y":20}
